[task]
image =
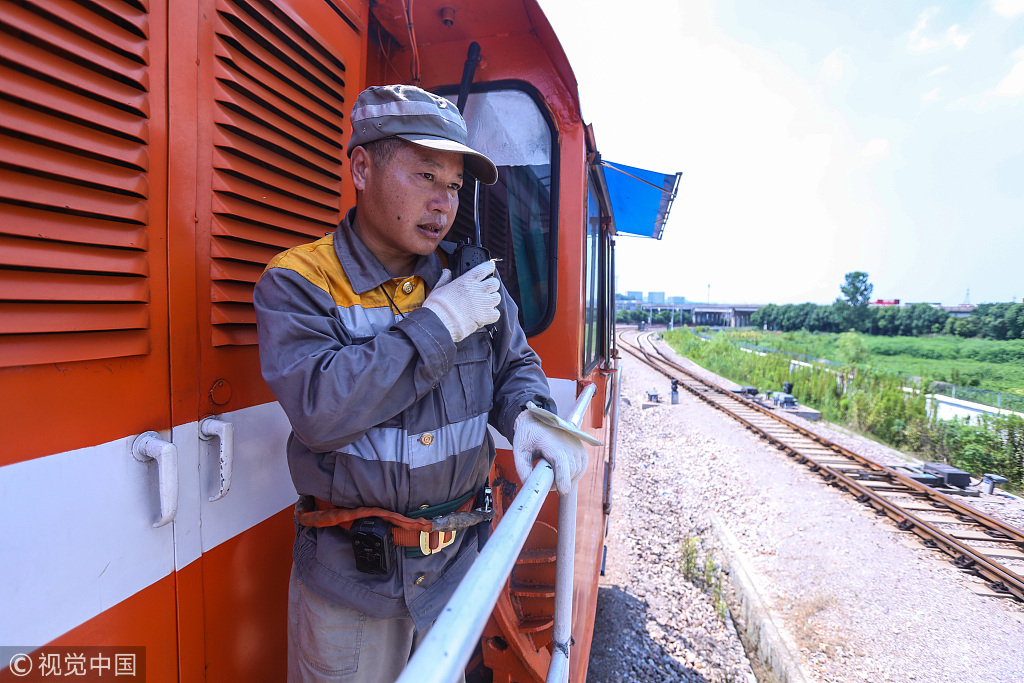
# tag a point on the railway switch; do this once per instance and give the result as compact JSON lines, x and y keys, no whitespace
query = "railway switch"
{"x":950,"y":475}
{"x":925,"y":478}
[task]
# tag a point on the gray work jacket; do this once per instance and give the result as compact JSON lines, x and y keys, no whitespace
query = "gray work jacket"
{"x":386,"y":410}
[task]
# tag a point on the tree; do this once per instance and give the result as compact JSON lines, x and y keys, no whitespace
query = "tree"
{"x":766,"y":317}
{"x":661,"y":317}
{"x":885,"y":318}
{"x":857,"y":289}
{"x":842,"y":315}
{"x":968,"y":327}
{"x":1015,"y":322}
{"x":857,"y":292}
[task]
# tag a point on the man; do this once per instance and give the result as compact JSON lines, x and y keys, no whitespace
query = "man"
{"x":389,"y":371}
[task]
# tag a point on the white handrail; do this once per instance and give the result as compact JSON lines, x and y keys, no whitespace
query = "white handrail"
{"x":561,"y":633}
{"x":443,"y":654}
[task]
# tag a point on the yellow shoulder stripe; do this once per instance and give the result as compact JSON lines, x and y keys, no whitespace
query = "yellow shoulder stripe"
{"x":318,"y":264}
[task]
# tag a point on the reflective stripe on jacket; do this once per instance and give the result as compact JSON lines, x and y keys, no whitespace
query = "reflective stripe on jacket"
{"x":386,"y":410}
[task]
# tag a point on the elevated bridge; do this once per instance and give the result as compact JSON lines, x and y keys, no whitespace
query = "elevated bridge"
{"x":713,"y":315}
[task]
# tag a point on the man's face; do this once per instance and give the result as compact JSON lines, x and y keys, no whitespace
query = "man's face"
{"x":408,"y":204}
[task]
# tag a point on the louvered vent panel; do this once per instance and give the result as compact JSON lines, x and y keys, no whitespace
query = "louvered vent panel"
{"x":278,"y":152}
{"x":73,"y":181}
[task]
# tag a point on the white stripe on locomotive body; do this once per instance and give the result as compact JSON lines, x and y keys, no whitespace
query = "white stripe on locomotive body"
{"x":261,"y":485}
{"x":78,"y":526}
{"x":78,"y":539}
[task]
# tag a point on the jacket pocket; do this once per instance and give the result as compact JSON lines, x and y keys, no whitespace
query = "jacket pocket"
{"x":468,"y":388}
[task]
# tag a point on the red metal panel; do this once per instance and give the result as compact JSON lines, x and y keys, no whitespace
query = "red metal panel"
{"x":22,"y":186}
{"x":138,"y":621}
{"x":32,"y":349}
{"x":25,"y":285}
{"x":29,"y":318}
{"x":268,"y":237}
{"x":246,"y":593}
{"x":303,"y":168}
{"x":99,"y":53}
{"x":47,"y":254}
{"x":61,"y":66}
{"x":61,"y":131}
{"x":69,"y":165}
{"x":270,"y":163}
{"x":120,"y":26}
{"x":256,"y":168}
{"x":60,"y":98}
{"x":82,"y":230}
{"x":59,"y":227}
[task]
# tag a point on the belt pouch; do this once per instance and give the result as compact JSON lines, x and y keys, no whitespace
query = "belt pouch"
{"x":373,"y":546}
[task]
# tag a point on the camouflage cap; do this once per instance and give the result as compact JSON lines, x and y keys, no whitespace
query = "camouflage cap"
{"x":419,"y":117}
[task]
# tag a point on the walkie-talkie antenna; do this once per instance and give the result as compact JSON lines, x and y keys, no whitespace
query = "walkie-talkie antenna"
{"x":477,"y":240}
{"x":472,"y":60}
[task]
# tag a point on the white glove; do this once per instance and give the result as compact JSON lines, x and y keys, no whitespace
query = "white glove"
{"x":563,"y":451}
{"x":466,"y":303}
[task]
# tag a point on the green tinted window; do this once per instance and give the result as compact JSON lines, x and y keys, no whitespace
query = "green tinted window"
{"x":517,"y":214}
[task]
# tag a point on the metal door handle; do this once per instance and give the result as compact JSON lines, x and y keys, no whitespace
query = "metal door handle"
{"x":225,"y":431}
{"x":150,"y":446}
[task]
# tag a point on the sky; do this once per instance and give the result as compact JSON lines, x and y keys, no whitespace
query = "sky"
{"x":815,"y":138}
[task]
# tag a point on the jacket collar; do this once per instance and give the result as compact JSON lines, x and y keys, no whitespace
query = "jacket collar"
{"x":362,"y":268}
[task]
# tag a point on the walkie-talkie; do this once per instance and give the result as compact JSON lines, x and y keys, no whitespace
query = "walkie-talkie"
{"x":469,"y":253}
{"x":467,"y":256}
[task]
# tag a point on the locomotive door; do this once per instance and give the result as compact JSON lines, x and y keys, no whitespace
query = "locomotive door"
{"x":270,"y":81}
{"x":84,"y":351}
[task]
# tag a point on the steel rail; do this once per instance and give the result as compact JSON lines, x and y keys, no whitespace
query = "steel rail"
{"x":443,"y":654}
{"x":1001,"y":579}
{"x":1013,"y":533}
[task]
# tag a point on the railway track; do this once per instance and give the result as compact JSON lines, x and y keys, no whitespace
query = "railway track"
{"x":974,"y":542}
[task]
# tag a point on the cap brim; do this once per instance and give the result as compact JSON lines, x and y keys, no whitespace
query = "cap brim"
{"x":482,"y":168}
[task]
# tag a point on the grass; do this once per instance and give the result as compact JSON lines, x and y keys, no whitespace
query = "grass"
{"x":706,"y":574}
{"x":983,"y":363}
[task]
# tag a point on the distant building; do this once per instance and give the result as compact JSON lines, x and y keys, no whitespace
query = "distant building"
{"x":677,"y":299}
{"x":635,"y":296}
{"x":656,"y":297}
{"x":960,"y":311}
{"x":884,"y":302}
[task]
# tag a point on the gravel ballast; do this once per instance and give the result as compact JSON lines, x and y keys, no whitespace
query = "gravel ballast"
{"x":847,"y":596}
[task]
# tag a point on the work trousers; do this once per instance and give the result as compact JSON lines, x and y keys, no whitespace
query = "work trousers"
{"x":330,"y":643}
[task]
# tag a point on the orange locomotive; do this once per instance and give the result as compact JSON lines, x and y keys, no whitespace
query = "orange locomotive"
{"x":155,"y":155}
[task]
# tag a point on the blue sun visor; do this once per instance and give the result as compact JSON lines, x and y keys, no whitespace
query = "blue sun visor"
{"x":640,"y":199}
